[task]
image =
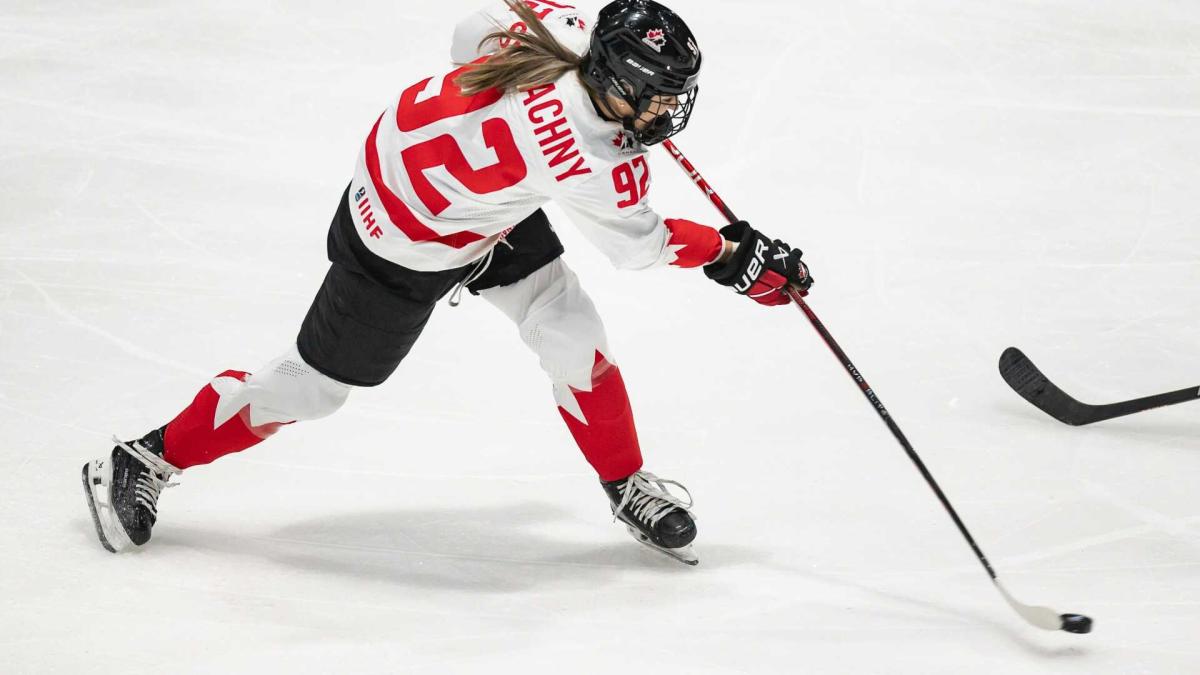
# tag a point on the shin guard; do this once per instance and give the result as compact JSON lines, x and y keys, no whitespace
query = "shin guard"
{"x":194,"y":437}
{"x":601,"y":420}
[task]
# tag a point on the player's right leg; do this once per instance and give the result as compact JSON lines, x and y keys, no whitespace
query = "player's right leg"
{"x":534,"y":287}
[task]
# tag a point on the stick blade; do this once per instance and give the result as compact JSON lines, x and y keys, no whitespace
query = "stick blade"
{"x":1024,"y":377}
{"x":1044,"y":617}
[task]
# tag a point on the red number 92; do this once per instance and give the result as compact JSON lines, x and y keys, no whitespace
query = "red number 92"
{"x":632,"y":190}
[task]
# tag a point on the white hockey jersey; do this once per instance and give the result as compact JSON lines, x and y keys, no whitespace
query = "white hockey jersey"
{"x":443,"y":177}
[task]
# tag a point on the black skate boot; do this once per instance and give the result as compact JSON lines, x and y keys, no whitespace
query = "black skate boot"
{"x":122,"y":490}
{"x":654,"y":516}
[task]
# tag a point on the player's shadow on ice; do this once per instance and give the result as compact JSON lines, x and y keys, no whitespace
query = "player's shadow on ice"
{"x":503,"y":549}
{"x":507,"y":549}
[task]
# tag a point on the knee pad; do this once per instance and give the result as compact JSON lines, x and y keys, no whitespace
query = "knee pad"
{"x":285,"y":390}
{"x":558,"y":321}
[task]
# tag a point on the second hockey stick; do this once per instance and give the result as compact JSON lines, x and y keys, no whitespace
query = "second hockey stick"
{"x":1027,"y":380}
{"x":1041,"y":617}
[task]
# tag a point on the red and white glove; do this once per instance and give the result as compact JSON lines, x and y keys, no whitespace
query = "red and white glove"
{"x":760,"y":268}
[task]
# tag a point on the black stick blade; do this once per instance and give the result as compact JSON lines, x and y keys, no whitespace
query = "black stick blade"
{"x":1076,"y":623}
{"x":1025,"y":379}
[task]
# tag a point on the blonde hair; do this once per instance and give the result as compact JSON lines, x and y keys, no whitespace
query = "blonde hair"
{"x":530,"y":59}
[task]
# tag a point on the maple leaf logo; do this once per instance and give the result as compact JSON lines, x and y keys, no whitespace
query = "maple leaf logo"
{"x":623,"y":142}
{"x":656,"y":39}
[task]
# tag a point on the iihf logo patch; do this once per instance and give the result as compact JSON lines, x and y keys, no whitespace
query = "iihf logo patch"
{"x":655,"y":39}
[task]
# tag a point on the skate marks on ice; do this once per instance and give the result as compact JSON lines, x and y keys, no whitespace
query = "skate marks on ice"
{"x":1181,"y":528}
{"x":917,"y":608}
{"x":136,"y":351}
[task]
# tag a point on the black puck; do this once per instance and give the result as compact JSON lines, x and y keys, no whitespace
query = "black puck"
{"x":1076,"y":623}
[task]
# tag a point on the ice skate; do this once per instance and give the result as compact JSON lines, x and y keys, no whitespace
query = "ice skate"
{"x":654,"y":516}
{"x":122,"y":491}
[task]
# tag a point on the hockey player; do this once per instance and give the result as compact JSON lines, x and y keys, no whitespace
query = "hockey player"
{"x":446,"y":195}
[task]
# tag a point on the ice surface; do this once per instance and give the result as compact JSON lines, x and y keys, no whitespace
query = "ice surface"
{"x":963,"y":175}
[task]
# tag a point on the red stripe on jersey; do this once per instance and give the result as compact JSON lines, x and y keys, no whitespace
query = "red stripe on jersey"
{"x":398,"y":212}
{"x":701,"y":243}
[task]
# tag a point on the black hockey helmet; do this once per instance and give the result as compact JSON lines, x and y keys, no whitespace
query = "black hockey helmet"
{"x":641,"y":50}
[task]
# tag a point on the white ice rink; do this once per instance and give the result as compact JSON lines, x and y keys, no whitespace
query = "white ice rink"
{"x":963,"y":176}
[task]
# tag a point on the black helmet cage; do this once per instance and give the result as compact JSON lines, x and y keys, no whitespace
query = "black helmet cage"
{"x":640,"y":50}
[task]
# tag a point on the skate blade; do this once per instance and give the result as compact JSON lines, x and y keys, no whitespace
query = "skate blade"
{"x":684,"y":554}
{"x":97,"y":476}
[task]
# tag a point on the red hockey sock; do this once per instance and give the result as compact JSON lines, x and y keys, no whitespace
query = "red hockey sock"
{"x":191,"y":438}
{"x":607,"y":435}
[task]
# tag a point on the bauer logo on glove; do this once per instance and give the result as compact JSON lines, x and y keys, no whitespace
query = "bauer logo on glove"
{"x":759,"y":267}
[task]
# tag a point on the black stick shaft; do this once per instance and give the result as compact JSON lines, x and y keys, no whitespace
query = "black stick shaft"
{"x":1113,"y":410}
{"x":891,"y":425}
{"x":851,"y":369}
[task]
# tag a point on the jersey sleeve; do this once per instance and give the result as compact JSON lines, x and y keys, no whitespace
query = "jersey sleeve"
{"x":468,"y":33}
{"x":634,"y":236}
{"x":568,"y":24}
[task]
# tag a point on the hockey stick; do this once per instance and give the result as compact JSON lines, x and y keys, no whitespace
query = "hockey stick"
{"x":1042,"y":617}
{"x":1025,"y":379}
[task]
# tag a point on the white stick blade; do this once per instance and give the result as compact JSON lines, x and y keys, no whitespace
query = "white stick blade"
{"x":1042,"y":617}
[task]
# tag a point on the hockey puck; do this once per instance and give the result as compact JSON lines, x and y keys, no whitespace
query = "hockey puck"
{"x":1076,"y":623}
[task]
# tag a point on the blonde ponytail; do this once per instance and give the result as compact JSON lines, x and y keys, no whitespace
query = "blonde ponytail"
{"x":532,"y":58}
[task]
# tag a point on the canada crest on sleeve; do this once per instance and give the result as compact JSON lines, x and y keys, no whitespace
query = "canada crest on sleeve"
{"x":656,"y":39}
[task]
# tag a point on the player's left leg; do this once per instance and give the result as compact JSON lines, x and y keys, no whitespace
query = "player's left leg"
{"x":532,"y":285}
{"x":232,"y":412}
{"x":365,"y":317}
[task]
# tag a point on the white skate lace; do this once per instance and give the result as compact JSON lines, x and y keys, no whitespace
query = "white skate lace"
{"x":648,"y":497}
{"x":151,"y":483}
